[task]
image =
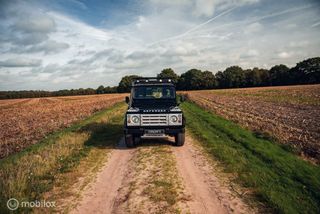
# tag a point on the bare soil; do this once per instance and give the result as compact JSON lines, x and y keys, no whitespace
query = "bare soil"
{"x":26,"y":121}
{"x":101,"y":195}
{"x":207,"y":193}
{"x":125,"y":183}
{"x":290,"y":114}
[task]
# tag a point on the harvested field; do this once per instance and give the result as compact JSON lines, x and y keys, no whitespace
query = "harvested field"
{"x":26,"y":121}
{"x":291,"y":114}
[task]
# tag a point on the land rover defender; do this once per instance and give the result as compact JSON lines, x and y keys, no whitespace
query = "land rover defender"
{"x":153,"y":112}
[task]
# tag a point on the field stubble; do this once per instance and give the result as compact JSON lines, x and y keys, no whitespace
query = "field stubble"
{"x":291,"y":114}
{"x":26,"y":121}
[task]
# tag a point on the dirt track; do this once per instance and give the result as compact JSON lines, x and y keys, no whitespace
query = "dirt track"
{"x":100,"y":198}
{"x":118,"y":188}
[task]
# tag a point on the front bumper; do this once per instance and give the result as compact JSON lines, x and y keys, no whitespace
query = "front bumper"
{"x":168,"y":130}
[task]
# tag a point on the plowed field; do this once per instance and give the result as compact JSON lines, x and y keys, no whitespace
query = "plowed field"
{"x":291,"y":114}
{"x":26,"y":121}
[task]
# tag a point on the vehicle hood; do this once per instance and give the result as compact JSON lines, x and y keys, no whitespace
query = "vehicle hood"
{"x":154,"y":104}
{"x":154,"y":107}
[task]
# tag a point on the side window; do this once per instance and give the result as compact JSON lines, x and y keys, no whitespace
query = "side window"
{"x":167,"y":93}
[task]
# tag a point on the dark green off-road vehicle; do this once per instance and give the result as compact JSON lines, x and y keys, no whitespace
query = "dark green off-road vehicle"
{"x":153,"y":112}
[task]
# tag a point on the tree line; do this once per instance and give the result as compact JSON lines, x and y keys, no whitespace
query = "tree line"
{"x":305,"y":72}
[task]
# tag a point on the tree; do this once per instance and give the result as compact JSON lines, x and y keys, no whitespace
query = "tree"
{"x":279,"y":75}
{"x":208,"y":80}
{"x":265,"y":77}
{"x":109,"y":89}
{"x":125,"y":83}
{"x":168,"y":73}
{"x":306,"y":72}
{"x":191,"y":80}
{"x":195,"y":79}
{"x":100,"y":89}
{"x":233,"y":77}
{"x":219,"y":76}
{"x":256,"y":77}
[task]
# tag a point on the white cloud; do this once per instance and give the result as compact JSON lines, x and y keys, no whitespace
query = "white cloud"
{"x":253,"y":28}
{"x":249,"y":54}
{"x":205,"y":8}
{"x":284,"y":55}
{"x":49,"y":46}
{"x":208,"y":7}
{"x":20,"y":62}
{"x":39,"y":23}
{"x":61,"y":51}
{"x":316,"y":24}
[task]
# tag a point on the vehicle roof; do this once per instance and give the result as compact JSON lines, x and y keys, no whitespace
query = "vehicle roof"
{"x":153,"y":84}
{"x":152,"y":81}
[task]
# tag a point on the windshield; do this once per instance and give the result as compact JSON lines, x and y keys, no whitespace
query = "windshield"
{"x":154,"y":92}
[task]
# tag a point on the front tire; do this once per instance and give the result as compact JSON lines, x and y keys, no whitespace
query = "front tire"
{"x":129,"y":141}
{"x":136,"y":139}
{"x":179,"y":139}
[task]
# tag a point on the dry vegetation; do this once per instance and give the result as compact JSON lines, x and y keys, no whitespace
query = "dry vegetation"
{"x":291,"y":114}
{"x":60,"y":167}
{"x":26,"y":121}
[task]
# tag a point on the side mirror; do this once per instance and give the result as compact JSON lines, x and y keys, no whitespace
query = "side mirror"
{"x":127,"y":99}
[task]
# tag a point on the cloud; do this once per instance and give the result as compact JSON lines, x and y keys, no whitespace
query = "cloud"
{"x":24,"y":27}
{"x":20,"y":62}
{"x":30,"y":29}
{"x":50,"y":68}
{"x":39,"y":23}
{"x":79,"y":4}
{"x":284,"y":55}
{"x":49,"y":46}
{"x":206,"y":8}
{"x":71,"y":50}
{"x":316,"y":24}
{"x":250,"y":54}
{"x":195,"y":27}
{"x":253,"y":28}
{"x":138,"y":55}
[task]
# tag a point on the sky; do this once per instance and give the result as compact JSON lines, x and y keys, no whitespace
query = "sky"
{"x":64,"y":44}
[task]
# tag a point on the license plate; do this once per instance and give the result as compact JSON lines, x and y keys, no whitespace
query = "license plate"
{"x":154,"y":131}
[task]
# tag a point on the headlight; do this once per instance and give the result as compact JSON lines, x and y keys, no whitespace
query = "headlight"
{"x":133,"y":119}
{"x":175,"y":119}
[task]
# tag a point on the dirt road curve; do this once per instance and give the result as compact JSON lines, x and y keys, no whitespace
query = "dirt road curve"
{"x":201,"y":191}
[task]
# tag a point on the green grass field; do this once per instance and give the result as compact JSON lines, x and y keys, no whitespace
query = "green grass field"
{"x":277,"y":177}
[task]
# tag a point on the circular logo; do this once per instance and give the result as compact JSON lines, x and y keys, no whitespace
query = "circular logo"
{"x":12,"y":204}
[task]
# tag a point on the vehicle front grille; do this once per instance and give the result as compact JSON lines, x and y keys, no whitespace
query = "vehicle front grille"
{"x":154,"y":119}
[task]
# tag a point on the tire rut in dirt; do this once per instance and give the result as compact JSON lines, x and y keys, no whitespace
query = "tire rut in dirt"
{"x":152,"y":184}
{"x":100,"y":196}
{"x":206,"y":192}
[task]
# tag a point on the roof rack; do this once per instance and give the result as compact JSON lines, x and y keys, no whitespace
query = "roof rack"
{"x":151,"y":80}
